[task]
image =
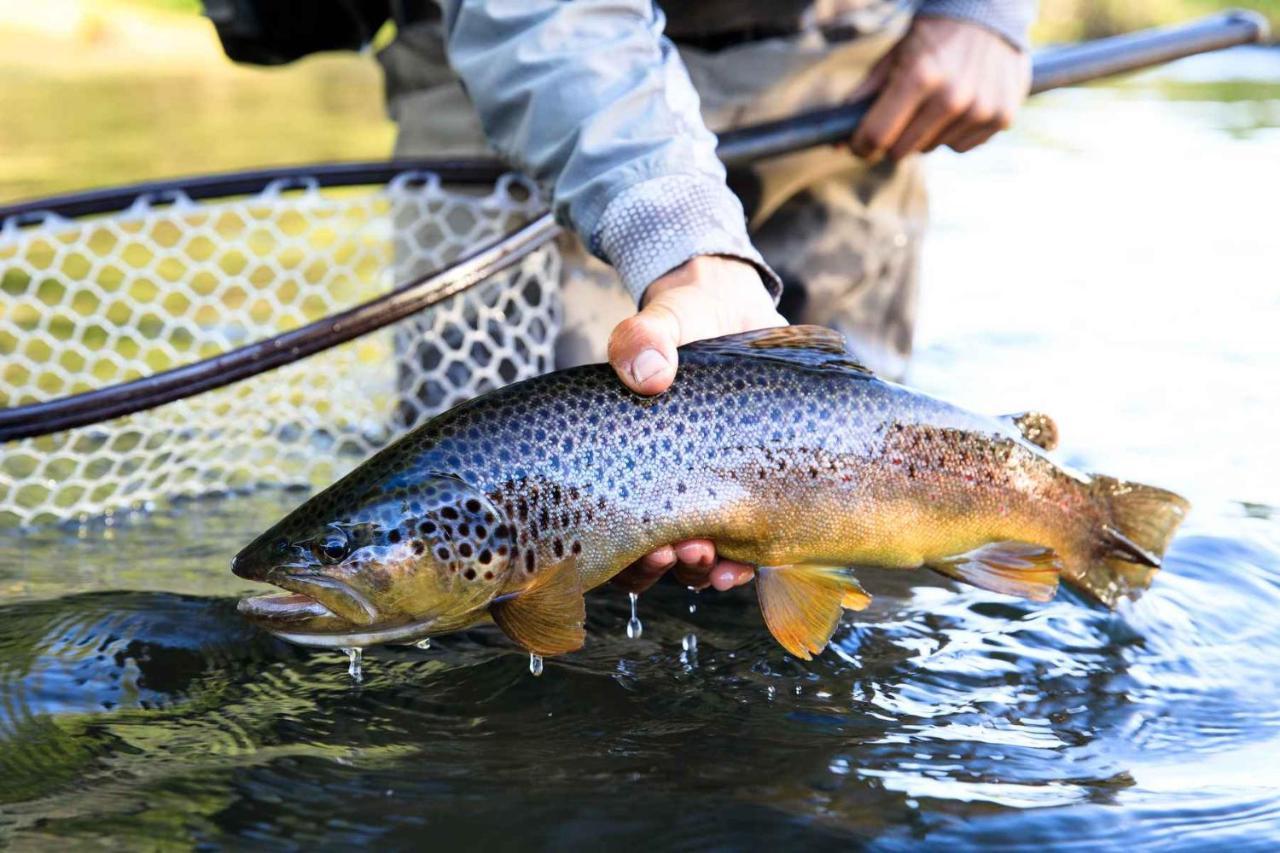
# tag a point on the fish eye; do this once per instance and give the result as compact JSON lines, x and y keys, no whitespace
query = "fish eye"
{"x":332,"y":547}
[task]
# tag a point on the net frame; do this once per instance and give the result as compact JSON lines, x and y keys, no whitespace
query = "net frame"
{"x":101,"y":288}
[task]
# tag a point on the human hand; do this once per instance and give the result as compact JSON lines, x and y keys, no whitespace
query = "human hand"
{"x":705,"y":297}
{"x":946,"y":82}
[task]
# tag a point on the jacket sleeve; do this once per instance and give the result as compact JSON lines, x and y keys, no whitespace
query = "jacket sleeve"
{"x":1008,"y":18}
{"x":589,"y":98}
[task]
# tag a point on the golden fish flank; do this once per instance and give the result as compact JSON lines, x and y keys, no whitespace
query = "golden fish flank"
{"x":775,"y":444}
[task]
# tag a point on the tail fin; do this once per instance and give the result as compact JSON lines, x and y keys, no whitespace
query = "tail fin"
{"x":1131,"y":544}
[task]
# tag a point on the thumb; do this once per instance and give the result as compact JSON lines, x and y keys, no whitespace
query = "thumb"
{"x":642,"y":349}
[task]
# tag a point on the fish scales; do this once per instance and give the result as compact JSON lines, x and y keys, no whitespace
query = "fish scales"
{"x":776,"y":445}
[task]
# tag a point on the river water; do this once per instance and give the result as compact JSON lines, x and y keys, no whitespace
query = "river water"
{"x":1113,"y":261}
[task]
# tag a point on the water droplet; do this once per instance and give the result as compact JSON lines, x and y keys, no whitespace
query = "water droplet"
{"x":355,"y":667}
{"x":424,"y":643}
{"x":535,"y":664}
{"x":689,"y":643}
{"x":634,"y":628}
{"x":770,"y":692}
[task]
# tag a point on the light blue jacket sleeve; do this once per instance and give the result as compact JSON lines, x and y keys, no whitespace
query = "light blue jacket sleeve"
{"x":590,"y":98}
{"x":1008,"y":18}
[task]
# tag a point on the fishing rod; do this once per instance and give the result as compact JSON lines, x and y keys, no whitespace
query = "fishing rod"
{"x":1051,"y":68}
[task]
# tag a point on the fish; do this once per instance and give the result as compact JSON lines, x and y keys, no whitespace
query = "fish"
{"x":775,"y":444}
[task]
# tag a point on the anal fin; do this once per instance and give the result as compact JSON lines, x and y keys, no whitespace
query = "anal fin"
{"x":1012,"y":568}
{"x":802,"y":604}
{"x":548,"y":617}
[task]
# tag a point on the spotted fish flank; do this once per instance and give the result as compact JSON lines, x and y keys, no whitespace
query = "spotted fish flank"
{"x":775,"y":444}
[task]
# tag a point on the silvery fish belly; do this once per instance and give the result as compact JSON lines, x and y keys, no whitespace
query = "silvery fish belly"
{"x":774,"y":444}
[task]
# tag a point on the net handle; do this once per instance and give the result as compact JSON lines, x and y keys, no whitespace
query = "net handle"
{"x":252,"y":359}
{"x":1051,"y":69}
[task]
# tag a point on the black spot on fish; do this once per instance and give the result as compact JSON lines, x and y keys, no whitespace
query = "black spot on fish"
{"x":528,"y":562}
{"x":418,"y":548}
{"x":469,"y":574}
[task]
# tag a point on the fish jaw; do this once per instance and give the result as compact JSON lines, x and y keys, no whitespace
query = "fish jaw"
{"x":300,"y":619}
{"x":316,"y":601}
{"x":292,"y":612}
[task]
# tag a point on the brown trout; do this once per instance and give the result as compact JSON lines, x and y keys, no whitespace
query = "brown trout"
{"x":774,"y":444}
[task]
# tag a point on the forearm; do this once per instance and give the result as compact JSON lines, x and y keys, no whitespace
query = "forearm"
{"x":590,"y":99}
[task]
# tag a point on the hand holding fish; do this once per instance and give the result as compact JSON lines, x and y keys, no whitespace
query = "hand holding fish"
{"x":706,"y":297}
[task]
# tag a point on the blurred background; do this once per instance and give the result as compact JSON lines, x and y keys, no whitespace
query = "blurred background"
{"x":99,"y":92}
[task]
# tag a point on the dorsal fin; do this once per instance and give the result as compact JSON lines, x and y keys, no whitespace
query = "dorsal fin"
{"x":806,"y":346}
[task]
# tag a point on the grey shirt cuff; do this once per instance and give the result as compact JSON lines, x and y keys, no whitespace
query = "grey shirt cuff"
{"x":655,"y":226}
{"x":1008,"y":18}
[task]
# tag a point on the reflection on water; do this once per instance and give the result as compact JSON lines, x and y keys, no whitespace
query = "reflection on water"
{"x":1129,"y":298}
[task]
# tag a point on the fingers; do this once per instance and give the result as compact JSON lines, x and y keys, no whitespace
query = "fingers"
{"x":642,"y":349}
{"x":985,"y":123}
{"x":940,"y":112}
{"x":694,"y":564}
{"x":893,"y":111}
{"x":705,"y":297}
{"x":646,"y":571}
{"x":694,"y":561}
{"x":949,"y":83}
{"x":728,"y":574}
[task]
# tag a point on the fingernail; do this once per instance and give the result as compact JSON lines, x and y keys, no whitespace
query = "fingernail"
{"x":722,"y":579}
{"x":647,"y":365}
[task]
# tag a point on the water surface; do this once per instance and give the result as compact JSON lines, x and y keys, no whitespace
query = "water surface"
{"x":1112,"y":261}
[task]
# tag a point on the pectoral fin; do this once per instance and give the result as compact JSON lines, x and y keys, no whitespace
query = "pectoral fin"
{"x":546,"y":618}
{"x":1013,"y":568}
{"x":802,"y":604}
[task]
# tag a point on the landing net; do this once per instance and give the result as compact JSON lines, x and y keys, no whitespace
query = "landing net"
{"x":90,"y":302}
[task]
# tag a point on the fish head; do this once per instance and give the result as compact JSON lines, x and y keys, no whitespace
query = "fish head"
{"x":392,"y":563}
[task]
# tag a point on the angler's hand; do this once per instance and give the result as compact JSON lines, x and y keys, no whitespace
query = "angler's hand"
{"x":947,"y":82}
{"x":706,"y":297}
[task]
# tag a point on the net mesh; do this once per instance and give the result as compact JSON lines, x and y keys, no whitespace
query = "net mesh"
{"x":95,"y":301}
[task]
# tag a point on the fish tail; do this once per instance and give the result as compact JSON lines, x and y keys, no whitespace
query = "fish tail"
{"x":1127,"y":549}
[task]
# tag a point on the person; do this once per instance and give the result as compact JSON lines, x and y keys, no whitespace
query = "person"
{"x":611,"y":106}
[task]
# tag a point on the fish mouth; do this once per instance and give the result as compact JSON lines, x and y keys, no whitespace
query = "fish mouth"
{"x":299,"y":618}
{"x":311,"y":604}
